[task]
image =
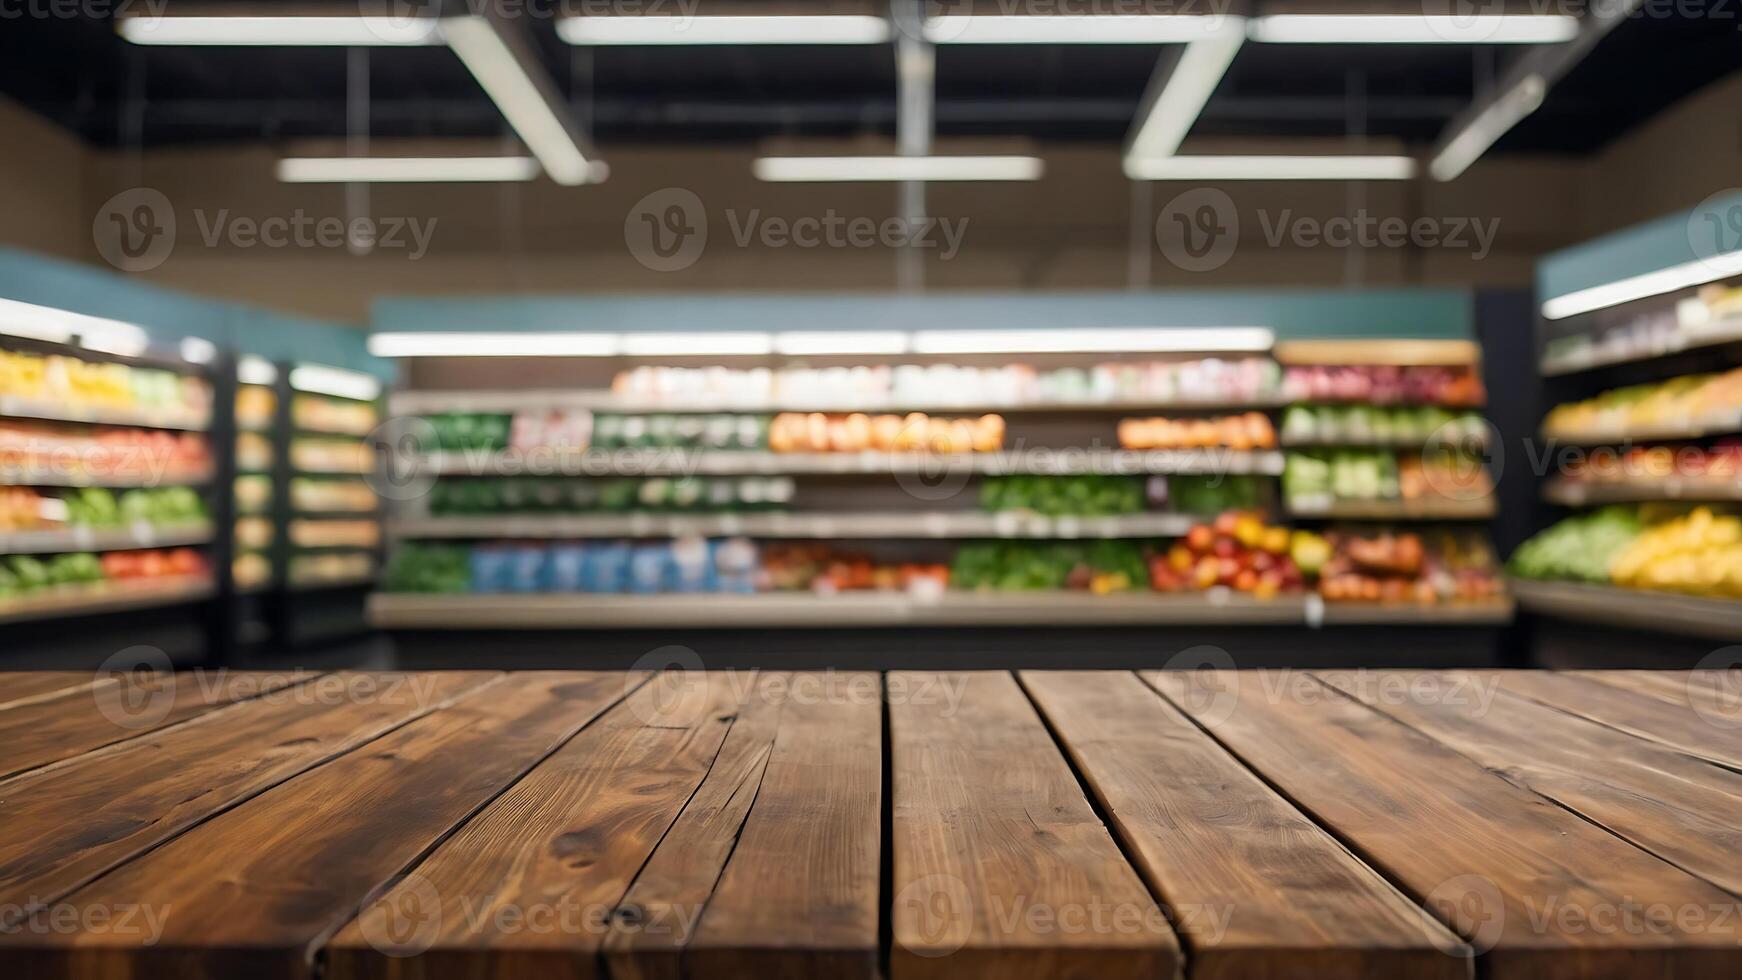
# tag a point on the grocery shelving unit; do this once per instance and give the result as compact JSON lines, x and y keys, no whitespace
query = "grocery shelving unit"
{"x":171,"y":610}
{"x":1626,"y":340}
{"x":855,"y":497}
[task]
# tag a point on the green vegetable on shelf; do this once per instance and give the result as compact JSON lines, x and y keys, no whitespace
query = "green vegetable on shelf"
{"x":1580,"y":548}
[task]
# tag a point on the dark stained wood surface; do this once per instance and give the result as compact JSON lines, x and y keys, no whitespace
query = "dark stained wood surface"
{"x":1529,"y":883}
{"x":769,"y":825}
{"x":1257,"y":888}
{"x":1001,"y":866}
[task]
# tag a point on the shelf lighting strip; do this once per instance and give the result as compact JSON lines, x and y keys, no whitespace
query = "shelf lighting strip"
{"x":1151,"y":340}
{"x":1677,"y":277}
{"x":57,"y":326}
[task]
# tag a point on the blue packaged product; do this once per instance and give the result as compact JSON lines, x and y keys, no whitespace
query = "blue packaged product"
{"x":605,"y":567}
{"x":565,"y":568}
{"x":527,"y":569}
{"x":735,"y":565}
{"x":648,"y":566}
{"x":692,"y":566}
{"x":491,"y":568}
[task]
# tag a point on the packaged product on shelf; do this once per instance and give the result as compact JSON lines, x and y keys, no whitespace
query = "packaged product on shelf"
{"x":332,"y":496}
{"x":1311,"y":478}
{"x":1251,"y":430}
{"x":335,"y":534}
{"x":253,"y":493}
{"x":682,"y":565}
{"x":1358,"y":424}
{"x":316,"y":413}
{"x":253,"y":452}
{"x":255,"y":406}
{"x":251,"y":570}
{"x":85,"y":386}
{"x":793,"y":432}
{"x":339,"y":456}
{"x":561,"y":429}
{"x":1385,"y":385}
{"x":486,"y":496}
{"x":1719,"y":464}
{"x":1691,"y":401}
{"x":254,"y":532}
{"x":470,"y":431}
{"x":318,"y":569}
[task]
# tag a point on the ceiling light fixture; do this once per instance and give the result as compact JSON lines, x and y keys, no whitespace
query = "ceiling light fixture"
{"x":729,"y":344}
{"x":1678,"y":277}
{"x":1214,"y":168}
{"x":424,"y":170}
{"x":1413,"y":29}
{"x":1175,"y":99}
{"x":500,"y":58}
{"x":57,"y":326}
{"x":317,"y":379}
{"x":892,"y":168}
{"x":256,"y":370}
{"x":1492,"y":123}
{"x":682,"y":30}
{"x":1070,"y":28}
{"x":1094,"y":340}
{"x":866,"y":342}
{"x":350,"y":32}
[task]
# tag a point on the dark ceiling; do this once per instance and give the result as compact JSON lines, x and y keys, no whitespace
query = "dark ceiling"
{"x":79,"y":73}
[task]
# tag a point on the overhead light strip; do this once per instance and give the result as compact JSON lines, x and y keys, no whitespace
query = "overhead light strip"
{"x":1672,"y":279}
{"x":1214,"y":168}
{"x":256,"y":370}
{"x":316,"y":379}
{"x":892,"y":168}
{"x":1071,"y":28}
{"x":1492,"y":123}
{"x":57,"y":326}
{"x":682,"y":30}
{"x":350,"y":32}
{"x":534,"y":110}
{"x":1086,"y":340}
{"x":1171,"y":109}
{"x":424,"y":170}
{"x":1497,"y":28}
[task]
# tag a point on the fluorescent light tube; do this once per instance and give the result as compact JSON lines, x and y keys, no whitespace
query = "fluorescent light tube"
{"x":537,"y":114}
{"x":1070,"y":28}
{"x":654,"y":29}
{"x":1093,"y":340}
{"x":891,"y":168}
{"x":1413,"y":29}
{"x":57,"y":326}
{"x":1171,"y":111}
{"x":427,"y":170}
{"x":1685,"y":276}
{"x":799,"y":342}
{"x":456,"y":344}
{"x":1483,"y":131}
{"x":696,"y":344}
{"x":350,"y":32}
{"x":1214,"y":168}
{"x":337,"y":382}
{"x":256,"y":370}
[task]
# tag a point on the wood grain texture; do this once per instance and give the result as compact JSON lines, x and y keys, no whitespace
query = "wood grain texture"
{"x":799,"y":898}
{"x":1685,"y":810}
{"x":1715,"y":695}
{"x":1541,"y":890}
{"x":1258,"y":890}
{"x":19,"y":688}
{"x":49,"y":731}
{"x":657,"y":918}
{"x":139,"y":793}
{"x":1645,"y":714}
{"x":252,"y":892}
{"x":1001,"y":867}
{"x":528,"y":887}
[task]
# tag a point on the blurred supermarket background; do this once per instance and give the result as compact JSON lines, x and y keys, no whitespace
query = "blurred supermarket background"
{"x":871,"y":333}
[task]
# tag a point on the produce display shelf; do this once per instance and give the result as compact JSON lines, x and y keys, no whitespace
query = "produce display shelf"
{"x":1434,"y":509}
{"x":507,"y":402}
{"x":677,"y":462}
{"x":1724,"y":331}
{"x":932,"y":524}
{"x":1399,"y":353}
{"x":1726,"y":423}
{"x":1582,"y":493}
{"x":314,"y":432}
{"x":23,"y":476}
{"x":14,"y":407}
{"x":316,"y":583}
{"x":1667,"y":612}
{"x":106,"y":597}
{"x":1485,"y":612}
{"x":804,"y":609}
{"x":103,"y":539}
{"x":1474,"y":441}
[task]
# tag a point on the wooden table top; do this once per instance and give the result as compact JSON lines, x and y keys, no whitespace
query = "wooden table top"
{"x":423,"y":826}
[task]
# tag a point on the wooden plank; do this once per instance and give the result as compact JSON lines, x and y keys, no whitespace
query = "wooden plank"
{"x":64,"y":727}
{"x":1685,"y":810}
{"x":1646,"y":715}
{"x":1544,"y":892}
{"x":799,"y":898}
{"x":1001,"y":867}
{"x":253,"y":891}
{"x":527,"y":888}
{"x":1257,"y":889}
{"x":18,"y":688}
{"x":1716,"y":695}
{"x":142,"y":792}
{"x":657,"y":918}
